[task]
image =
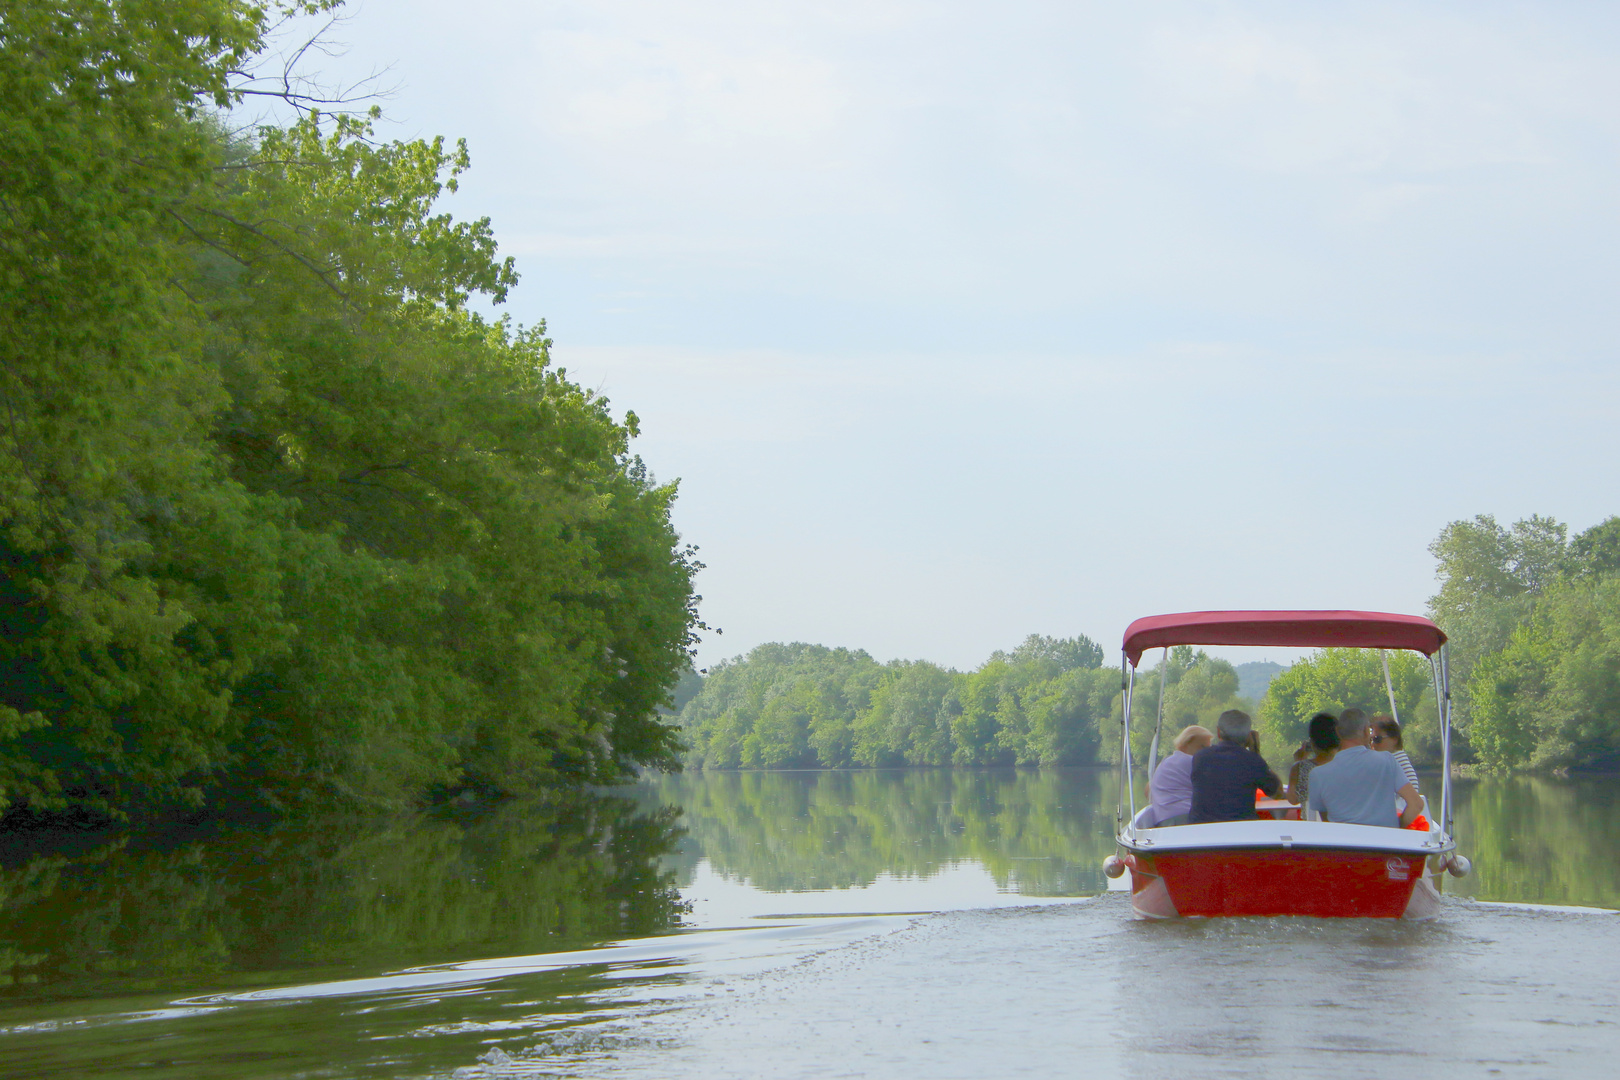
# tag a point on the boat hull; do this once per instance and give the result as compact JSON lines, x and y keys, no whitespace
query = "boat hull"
{"x":1324,"y":883}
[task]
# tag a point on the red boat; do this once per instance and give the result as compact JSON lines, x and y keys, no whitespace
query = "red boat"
{"x":1282,"y":867}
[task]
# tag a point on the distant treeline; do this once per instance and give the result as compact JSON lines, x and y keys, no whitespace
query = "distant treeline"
{"x":1048,"y":702}
{"x":1533,"y":617}
{"x":280,"y":519}
{"x":800,"y":706}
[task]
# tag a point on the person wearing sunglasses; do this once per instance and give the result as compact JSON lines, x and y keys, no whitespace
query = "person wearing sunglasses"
{"x":1386,"y":736}
{"x":1359,"y":786}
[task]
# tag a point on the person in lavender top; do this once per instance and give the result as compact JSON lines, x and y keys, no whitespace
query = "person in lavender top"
{"x":1170,"y":787}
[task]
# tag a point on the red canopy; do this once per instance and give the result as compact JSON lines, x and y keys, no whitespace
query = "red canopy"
{"x":1299,"y":629}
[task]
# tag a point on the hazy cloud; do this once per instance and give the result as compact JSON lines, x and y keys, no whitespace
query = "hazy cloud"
{"x":960,"y":321}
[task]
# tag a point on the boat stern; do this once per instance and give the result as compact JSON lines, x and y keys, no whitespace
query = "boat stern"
{"x":1266,"y":868}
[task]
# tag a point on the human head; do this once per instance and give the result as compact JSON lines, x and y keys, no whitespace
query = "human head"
{"x":1352,"y":727}
{"x":1234,"y":726}
{"x":1193,"y":739}
{"x":1386,"y":733}
{"x":1324,"y":731}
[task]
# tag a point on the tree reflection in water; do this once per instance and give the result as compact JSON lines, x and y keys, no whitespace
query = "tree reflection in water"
{"x":1045,"y":832}
{"x":253,"y":906}
{"x":1038,"y":832}
{"x":1541,"y":840}
{"x":249,"y":907}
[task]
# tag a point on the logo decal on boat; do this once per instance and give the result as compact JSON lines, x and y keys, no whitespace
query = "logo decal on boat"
{"x":1398,"y":870}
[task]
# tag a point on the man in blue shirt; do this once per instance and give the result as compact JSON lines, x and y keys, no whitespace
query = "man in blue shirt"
{"x":1225,"y":774}
{"x":1359,"y":786}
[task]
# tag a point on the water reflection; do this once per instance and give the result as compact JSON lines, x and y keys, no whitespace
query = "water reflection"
{"x":1045,"y":832}
{"x":557,"y":940}
{"x":277,"y":903}
{"x":1541,"y":840}
{"x":1037,"y":832}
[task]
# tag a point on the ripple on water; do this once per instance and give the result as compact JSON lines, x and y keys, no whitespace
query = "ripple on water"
{"x":1022,"y":991}
{"x":1026,"y":992}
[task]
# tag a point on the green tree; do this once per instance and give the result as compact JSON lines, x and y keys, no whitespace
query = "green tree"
{"x":1332,"y":680}
{"x":277,"y":511}
{"x":1550,"y":698}
{"x":1489,"y":578}
{"x":1596,"y":552}
{"x":1064,"y":713}
{"x":1198,"y":688}
{"x":141,"y":585}
{"x":780,"y":706}
{"x":1527,"y":616}
{"x":990,"y":720}
{"x":909,"y":722}
{"x":795,"y":705}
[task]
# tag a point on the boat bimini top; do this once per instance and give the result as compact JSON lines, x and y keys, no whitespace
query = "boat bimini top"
{"x":1295,"y":629}
{"x":1284,"y":629}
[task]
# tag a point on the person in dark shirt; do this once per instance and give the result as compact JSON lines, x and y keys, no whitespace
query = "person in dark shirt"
{"x":1225,"y":774}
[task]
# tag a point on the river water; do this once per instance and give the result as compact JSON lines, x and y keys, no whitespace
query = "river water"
{"x":881,"y":924}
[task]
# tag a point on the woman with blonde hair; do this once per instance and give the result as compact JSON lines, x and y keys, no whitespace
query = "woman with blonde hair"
{"x":1170,"y":787}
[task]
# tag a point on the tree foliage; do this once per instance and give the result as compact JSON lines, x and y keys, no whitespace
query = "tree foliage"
{"x":1550,"y":697}
{"x":1534,"y":621}
{"x":1197,"y":689}
{"x":1332,"y":680}
{"x":276,"y":510}
{"x":808,"y":706}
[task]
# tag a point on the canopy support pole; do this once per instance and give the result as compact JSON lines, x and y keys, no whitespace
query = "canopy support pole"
{"x":1125,"y":708}
{"x":1443,"y":700}
{"x":1389,"y":687}
{"x":1125,"y":752}
{"x":1442,"y":707}
{"x":1158,"y":725}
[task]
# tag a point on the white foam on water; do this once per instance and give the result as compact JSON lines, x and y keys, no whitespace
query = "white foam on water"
{"x":1565,"y":909}
{"x":720,"y":900}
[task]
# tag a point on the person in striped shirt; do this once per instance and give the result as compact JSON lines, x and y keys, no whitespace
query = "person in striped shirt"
{"x":1386,"y":736}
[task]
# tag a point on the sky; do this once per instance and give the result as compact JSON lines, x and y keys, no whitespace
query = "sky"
{"x":958,"y":322}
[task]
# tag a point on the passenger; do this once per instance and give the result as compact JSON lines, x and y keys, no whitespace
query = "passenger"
{"x":1323,"y":743}
{"x":1301,"y":752}
{"x":1386,"y":736}
{"x":1225,"y":775}
{"x":1170,"y":789}
{"x":1359,"y":787}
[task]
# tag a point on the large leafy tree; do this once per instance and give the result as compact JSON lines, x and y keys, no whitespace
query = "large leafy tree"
{"x":140,"y":585}
{"x":1490,"y":575}
{"x":276,"y":508}
{"x":1532,"y":620}
{"x":1550,"y":698}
